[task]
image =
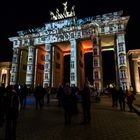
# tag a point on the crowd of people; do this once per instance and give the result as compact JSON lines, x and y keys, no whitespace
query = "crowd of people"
{"x":13,"y":99}
{"x":121,"y":97}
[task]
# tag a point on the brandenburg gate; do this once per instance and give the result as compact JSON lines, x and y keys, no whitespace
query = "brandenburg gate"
{"x":38,"y":54}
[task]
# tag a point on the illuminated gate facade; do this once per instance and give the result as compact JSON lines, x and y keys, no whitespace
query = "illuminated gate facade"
{"x":38,"y":57}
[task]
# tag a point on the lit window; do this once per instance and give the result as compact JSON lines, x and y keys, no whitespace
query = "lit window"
{"x":72,"y":76}
{"x":15,"y":51}
{"x":29,"y":68}
{"x":122,"y":61}
{"x":30,"y":59}
{"x":31,"y":49}
{"x":14,"y":59}
{"x":72,"y":64}
{"x":124,"y":74}
{"x":47,"y":66}
{"x":16,"y":42}
{"x":13,"y":69}
{"x":46,"y":76}
{"x":48,"y":48}
{"x":95,"y":62}
{"x":47,"y":57}
{"x":12,"y":78}
{"x":28,"y":78}
{"x":72,"y":53}
{"x":121,"y":48}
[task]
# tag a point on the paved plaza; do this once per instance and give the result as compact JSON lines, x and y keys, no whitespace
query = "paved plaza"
{"x":107,"y":123}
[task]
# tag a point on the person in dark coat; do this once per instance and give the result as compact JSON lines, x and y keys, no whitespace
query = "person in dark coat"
{"x":121,"y":95}
{"x":12,"y":113}
{"x":24,"y":93}
{"x":86,"y":104}
{"x":2,"y":105}
{"x":114,"y":94}
{"x":130,"y":99}
{"x":67,"y":103}
{"x":39,"y":96}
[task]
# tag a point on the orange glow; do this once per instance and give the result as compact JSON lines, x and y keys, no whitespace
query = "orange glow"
{"x":87,"y":45}
{"x":66,"y":53}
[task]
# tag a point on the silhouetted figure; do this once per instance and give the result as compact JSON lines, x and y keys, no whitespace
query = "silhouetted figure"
{"x":60,"y":93}
{"x":24,"y":93}
{"x":47,"y":92}
{"x":2,"y":105}
{"x":130,"y":98}
{"x":67,"y":103}
{"x":39,"y":96}
{"x":74,"y":100}
{"x":12,"y":113}
{"x":114,"y":94}
{"x":121,"y":99}
{"x":86,"y":104}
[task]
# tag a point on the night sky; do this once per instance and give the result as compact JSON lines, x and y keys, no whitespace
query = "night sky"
{"x":25,"y":14}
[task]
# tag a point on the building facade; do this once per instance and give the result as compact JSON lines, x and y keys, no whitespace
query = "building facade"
{"x":38,"y":54}
{"x":133,"y":57}
{"x":5,"y":73}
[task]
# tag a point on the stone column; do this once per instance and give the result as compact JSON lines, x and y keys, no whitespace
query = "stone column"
{"x":8,"y":76}
{"x":97,"y":65}
{"x":73,"y":59}
{"x":15,"y":66}
{"x":136,"y":84}
{"x":122,"y":62}
{"x":30,"y":67}
{"x":47,"y":66}
{"x":35,"y":66}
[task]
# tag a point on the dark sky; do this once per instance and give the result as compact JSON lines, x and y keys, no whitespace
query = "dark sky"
{"x":24,"y":14}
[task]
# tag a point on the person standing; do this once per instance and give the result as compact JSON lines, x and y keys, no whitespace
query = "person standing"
{"x":2,"y":105}
{"x":130,"y":98}
{"x":121,"y":99}
{"x":67,"y":103}
{"x":86,"y":104}
{"x":24,"y":93}
{"x":39,"y":96}
{"x":59,"y":95}
{"x":12,"y":113}
{"x":114,"y":94}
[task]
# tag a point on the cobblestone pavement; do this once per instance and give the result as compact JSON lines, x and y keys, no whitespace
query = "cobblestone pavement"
{"x":48,"y":124}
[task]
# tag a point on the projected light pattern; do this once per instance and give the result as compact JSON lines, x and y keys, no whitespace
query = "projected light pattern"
{"x":122,"y":63}
{"x":73,"y":70}
{"x":47,"y":66}
{"x":70,"y":29}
